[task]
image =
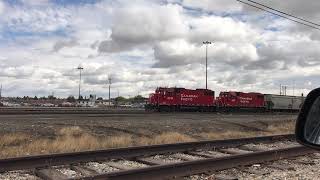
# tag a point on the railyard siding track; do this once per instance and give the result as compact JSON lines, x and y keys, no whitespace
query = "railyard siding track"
{"x":77,"y":110}
{"x":202,"y":166}
{"x":21,"y":111}
{"x":39,"y":161}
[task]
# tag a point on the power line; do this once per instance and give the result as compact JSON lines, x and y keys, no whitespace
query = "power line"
{"x":278,"y":15}
{"x":284,"y":13}
{"x":0,"y":91}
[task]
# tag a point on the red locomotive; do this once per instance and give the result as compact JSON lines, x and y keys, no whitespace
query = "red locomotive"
{"x":239,"y":100}
{"x":181,"y":99}
{"x":177,"y":99}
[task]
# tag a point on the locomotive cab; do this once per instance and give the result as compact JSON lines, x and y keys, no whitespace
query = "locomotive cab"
{"x":181,"y":99}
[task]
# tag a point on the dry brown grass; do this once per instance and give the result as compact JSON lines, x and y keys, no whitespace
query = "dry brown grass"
{"x":282,"y":128}
{"x":118,"y":141}
{"x":70,"y":131}
{"x":171,"y":137}
{"x":71,"y":139}
{"x":12,"y":139}
{"x":229,"y":135}
{"x":165,"y":138}
{"x":272,"y":129}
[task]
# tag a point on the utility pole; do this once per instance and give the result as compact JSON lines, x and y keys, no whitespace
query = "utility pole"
{"x":206,"y":43}
{"x":109,"y":82}
{"x":1,"y":92}
{"x":280,"y":89}
{"x":80,"y":70}
{"x":293,"y":86}
{"x":285,"y":90}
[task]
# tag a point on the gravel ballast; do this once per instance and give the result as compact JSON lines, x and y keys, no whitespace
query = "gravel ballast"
{"x":18,"y":175}
{"x":101,"y":167}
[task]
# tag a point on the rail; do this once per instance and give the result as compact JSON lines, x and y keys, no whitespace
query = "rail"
{"x":31,"y":162}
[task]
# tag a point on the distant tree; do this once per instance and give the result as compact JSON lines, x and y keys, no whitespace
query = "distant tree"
{"x":81,"y":98}
{"x":43,"y":97}
{"x":120,"y":99}
{"x":51,"y":97}
{"x":99,"y":98}
{"x":71,"y":99}
{"x":35,"y":98}
{"x":138,"y":99}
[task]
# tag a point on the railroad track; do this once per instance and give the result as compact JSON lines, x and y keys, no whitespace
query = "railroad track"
{"x":84,"y":110}
{"x":73,"y":110}
{"x":154,"y":162}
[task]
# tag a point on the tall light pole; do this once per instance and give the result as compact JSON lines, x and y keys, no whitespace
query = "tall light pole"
{"x":1,"y":92}
{"x":109,"y":82}
{"x":206,"y":43}
{"x":80,"y":70}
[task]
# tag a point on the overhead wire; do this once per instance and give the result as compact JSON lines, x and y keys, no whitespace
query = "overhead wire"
{"x":287,"y":14}
{"x":283,"y":16}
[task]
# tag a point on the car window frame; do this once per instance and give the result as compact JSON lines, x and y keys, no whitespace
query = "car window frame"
{"x":302,"y":118}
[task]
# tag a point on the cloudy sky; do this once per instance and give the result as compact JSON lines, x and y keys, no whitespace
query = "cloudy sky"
{"x":145,"y":44}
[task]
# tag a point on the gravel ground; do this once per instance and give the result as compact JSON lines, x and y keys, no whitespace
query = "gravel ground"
{"x":131,"y":164}
{"x":187,"y":156}
{"x":276,"y":145}
{"x":215,"y":153}
{"x":69,"y":173}
{"x":100,"y":167}
{"x":236,"y":151}
{"x":139,"y":124}
{"x":166,"y":158}
{"x":300,"y":168}
{"x":18,"y":175}
{"x":191,"y":124}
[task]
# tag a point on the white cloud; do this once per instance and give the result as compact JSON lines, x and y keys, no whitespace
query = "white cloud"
{"x":37,"y":20}
{"x":2,"y":6}
{"x":35,"y":2}
{"x":215,"y":6}
{"x":17,"y":72}
{"x":146,"y":44}
{"x":145,"y":25}
{"x":221,"y":29}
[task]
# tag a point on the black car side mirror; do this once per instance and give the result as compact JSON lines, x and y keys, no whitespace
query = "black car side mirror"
{"x":308,"y":123}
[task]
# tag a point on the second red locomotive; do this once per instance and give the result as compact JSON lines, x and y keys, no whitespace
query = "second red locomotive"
{"x":240,"y":101}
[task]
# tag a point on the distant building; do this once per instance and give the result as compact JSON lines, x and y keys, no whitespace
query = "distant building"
{"x":66,"y":104}
{"x":9,"y":104}
{"x":105,"y":103}
{"x":91,"y":102}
